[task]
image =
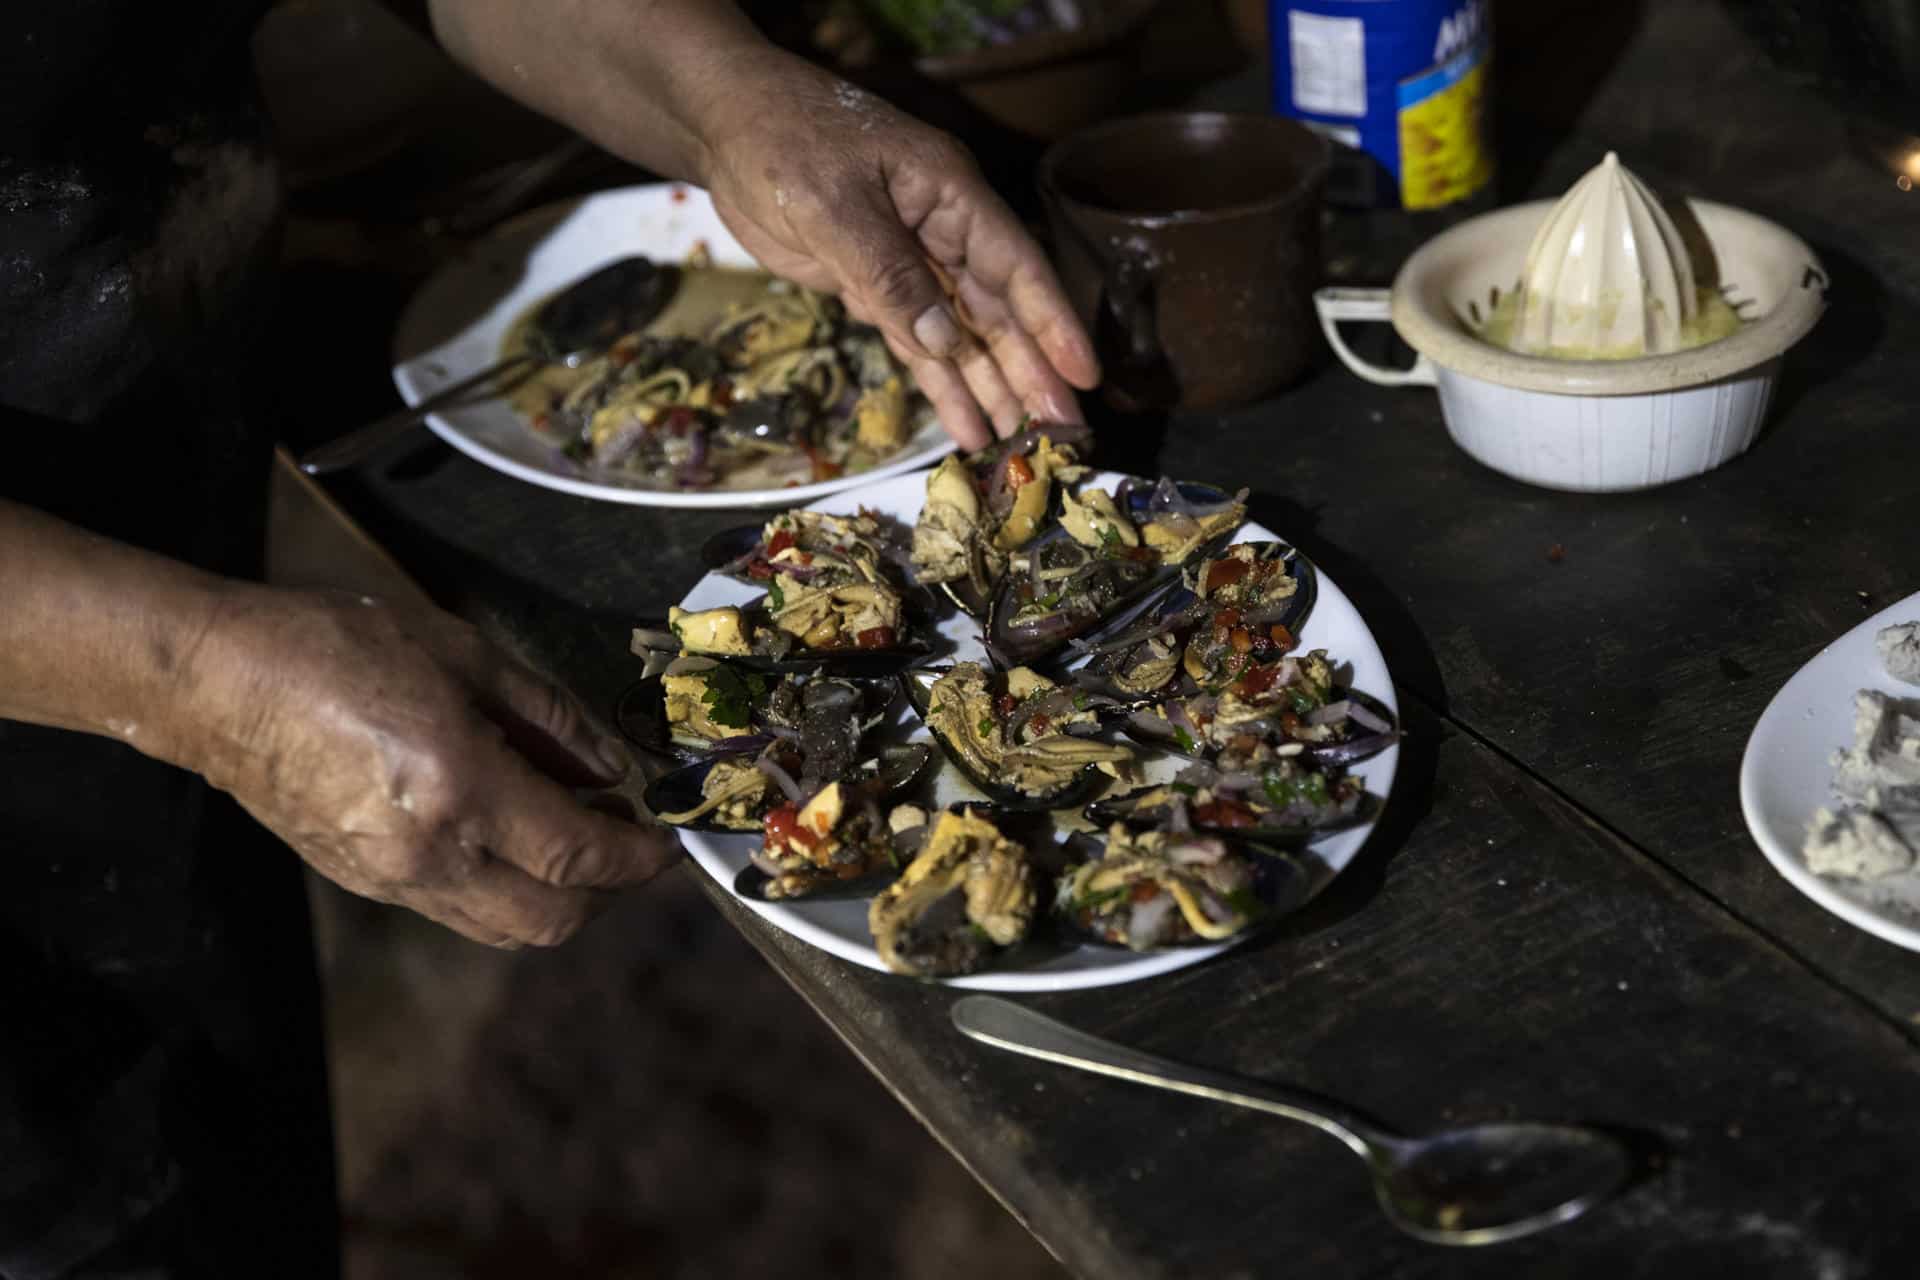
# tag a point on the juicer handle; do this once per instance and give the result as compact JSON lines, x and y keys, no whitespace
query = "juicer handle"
{"x":1336,"y":304}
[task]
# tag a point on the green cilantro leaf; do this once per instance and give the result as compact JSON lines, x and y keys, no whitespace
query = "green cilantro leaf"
{"x":775,"y":596}
{"x":986,"y":726}
{"x":1184,"y":788}
{"x":731,"y":694}
{"x":1184,"y":739}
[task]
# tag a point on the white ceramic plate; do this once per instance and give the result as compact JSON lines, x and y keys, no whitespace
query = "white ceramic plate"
{"x":454,"y":325}
{"x":1788,"y":764}
{"x":841,"y":927}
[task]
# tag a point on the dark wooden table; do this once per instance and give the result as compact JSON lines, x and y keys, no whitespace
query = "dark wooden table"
{"x":1561,"y":915}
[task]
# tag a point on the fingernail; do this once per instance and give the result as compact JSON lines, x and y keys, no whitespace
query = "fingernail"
{"x":1059,"y":410}
{"x":615,"y":757}
{"x":937,"y":330}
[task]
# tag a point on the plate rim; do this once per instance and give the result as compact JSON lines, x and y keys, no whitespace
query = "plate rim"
{"x":407,"y":371}
{"x":1786,"y":859}
{"x":1136,"y":966}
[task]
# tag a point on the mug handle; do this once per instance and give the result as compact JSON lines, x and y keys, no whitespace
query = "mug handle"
{"x":1336,"y":304}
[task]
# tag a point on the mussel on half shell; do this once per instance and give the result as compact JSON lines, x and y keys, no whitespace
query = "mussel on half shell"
{"x":736,"y":792}
{"x":1012,"y":734}
{"x":1179,"y":632}
{"x":1283,"y":803}
{"x":752,"y":640}
{"x":1155,"y":888}
{"x":1235,"y":731}
{"x":696,"y":707}
{"x":1092,"y":571}
{"x":966,"y":896}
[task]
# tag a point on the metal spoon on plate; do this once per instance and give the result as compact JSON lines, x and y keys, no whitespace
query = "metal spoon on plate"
{"x":575,"y":324}
{"x":1477,"y":1185}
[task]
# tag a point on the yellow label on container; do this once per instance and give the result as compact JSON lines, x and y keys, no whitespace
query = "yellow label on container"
{"x":1443,"y":143}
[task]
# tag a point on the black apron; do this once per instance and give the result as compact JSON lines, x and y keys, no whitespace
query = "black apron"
{"x":162,"y":1089}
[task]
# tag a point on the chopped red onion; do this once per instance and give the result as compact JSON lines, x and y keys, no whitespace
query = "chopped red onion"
{"x":1365,"y":718}
{"x":1202,"y":851}
{"x":1148,"y":920}
{"x":760,"y":859}
{"x":1331,"y":712}
{"x":781,"y":778}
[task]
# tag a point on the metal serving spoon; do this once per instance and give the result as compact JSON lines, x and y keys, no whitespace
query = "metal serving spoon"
{"x":580,"y":321}
{"x":1478,"y":1185}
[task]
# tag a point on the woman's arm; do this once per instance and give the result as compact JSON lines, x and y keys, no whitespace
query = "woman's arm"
{"x":823,"y":183}
{"x":398,"y":752}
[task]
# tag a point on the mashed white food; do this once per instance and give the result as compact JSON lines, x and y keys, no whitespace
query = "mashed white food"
{"x":1876,"y":831}
{"x":1899,"y":647}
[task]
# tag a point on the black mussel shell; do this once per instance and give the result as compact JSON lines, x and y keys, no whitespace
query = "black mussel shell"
{"x":640,"y":716}
{"x":1089,"y":782}
{"x":894,"y":770}
{"x":1361,"y":746}
{"x":752,"y":883}
{"x":874,"y":664}
{"x":1129,"y":809}
{"x":679,"y":790}
{"x":724,"y":549}
{"x":594,"y":311}
{"x":1113,"y":596}
{"x":1281,"y":883}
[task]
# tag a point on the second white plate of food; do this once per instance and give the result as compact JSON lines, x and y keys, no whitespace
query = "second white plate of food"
{"x":456,"y":325}
{"x":1788,"y":765}
{"x":841,"y":927}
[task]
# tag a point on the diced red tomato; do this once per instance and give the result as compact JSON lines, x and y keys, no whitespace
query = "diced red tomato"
{"x":721,"y":395}
{"x":1144,"y":891}
{"x":781,"y":823}
{"x":1282,"y":636}
{"x":678,"y":420}
{"x":1042,"y":725}
{"x":875,"y":638}
{"x":780,"y":542}
{"x":1258,"y":680}
{"x":1221,"y":573}
{"x":1223,"y":813}
{"x":1006,"y":704}
{"x":1142,"y":553}
{"x":1226,"y":619}
{"x":541,"y":421}
{"x":760,"y":569}
{"x":1291,"y":724}
{"x":1019,"y":473}
{"x":1241,"y":641}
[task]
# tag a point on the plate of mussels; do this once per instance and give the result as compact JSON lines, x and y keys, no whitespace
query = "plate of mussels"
{"x":1014,"y":724}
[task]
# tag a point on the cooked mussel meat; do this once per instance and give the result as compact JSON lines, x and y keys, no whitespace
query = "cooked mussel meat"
{"x":1016,"y":735}
{"x":838,"y":844}
{"x":1266,"y":709}
{"x":1280,"y":799}
{"x":1107,"y":554}
{"x":981,"y":508}
{"x":967,"y":895}
{"x":1155,"y":888}
{"x":737,"y":792}
{"x":854,"y":630}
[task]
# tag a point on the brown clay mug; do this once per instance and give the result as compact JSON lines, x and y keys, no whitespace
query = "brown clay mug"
{"x":1189,"y":243}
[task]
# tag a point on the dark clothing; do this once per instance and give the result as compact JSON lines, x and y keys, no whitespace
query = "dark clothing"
{"x":162,"y":1093}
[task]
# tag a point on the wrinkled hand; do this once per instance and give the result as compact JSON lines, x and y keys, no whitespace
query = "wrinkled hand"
{"x":409,"y":761}
{"x":831,"y":187}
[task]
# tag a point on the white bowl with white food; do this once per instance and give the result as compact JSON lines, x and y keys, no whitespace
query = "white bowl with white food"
{"x":1592,"y":425}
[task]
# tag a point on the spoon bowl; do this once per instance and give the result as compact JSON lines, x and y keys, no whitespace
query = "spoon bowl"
{"x":1495,"y":1182}
{"x":1471,"y":1186}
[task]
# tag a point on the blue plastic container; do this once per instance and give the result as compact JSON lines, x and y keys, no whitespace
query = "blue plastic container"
{"x":1402,"y":82}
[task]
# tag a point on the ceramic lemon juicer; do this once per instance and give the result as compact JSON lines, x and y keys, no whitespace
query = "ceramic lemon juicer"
{"x":1622,"y":349}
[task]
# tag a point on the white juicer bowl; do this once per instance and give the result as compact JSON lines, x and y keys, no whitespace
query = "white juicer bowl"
{"x":1591,"y":425}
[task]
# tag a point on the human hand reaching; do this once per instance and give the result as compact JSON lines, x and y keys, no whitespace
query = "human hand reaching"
{"x":831,"y":187}
{"x":408,"y":760}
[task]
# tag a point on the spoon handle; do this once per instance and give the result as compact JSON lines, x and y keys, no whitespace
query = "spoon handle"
{"x":1006,"y":1025}
{"x":344,"y":451}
